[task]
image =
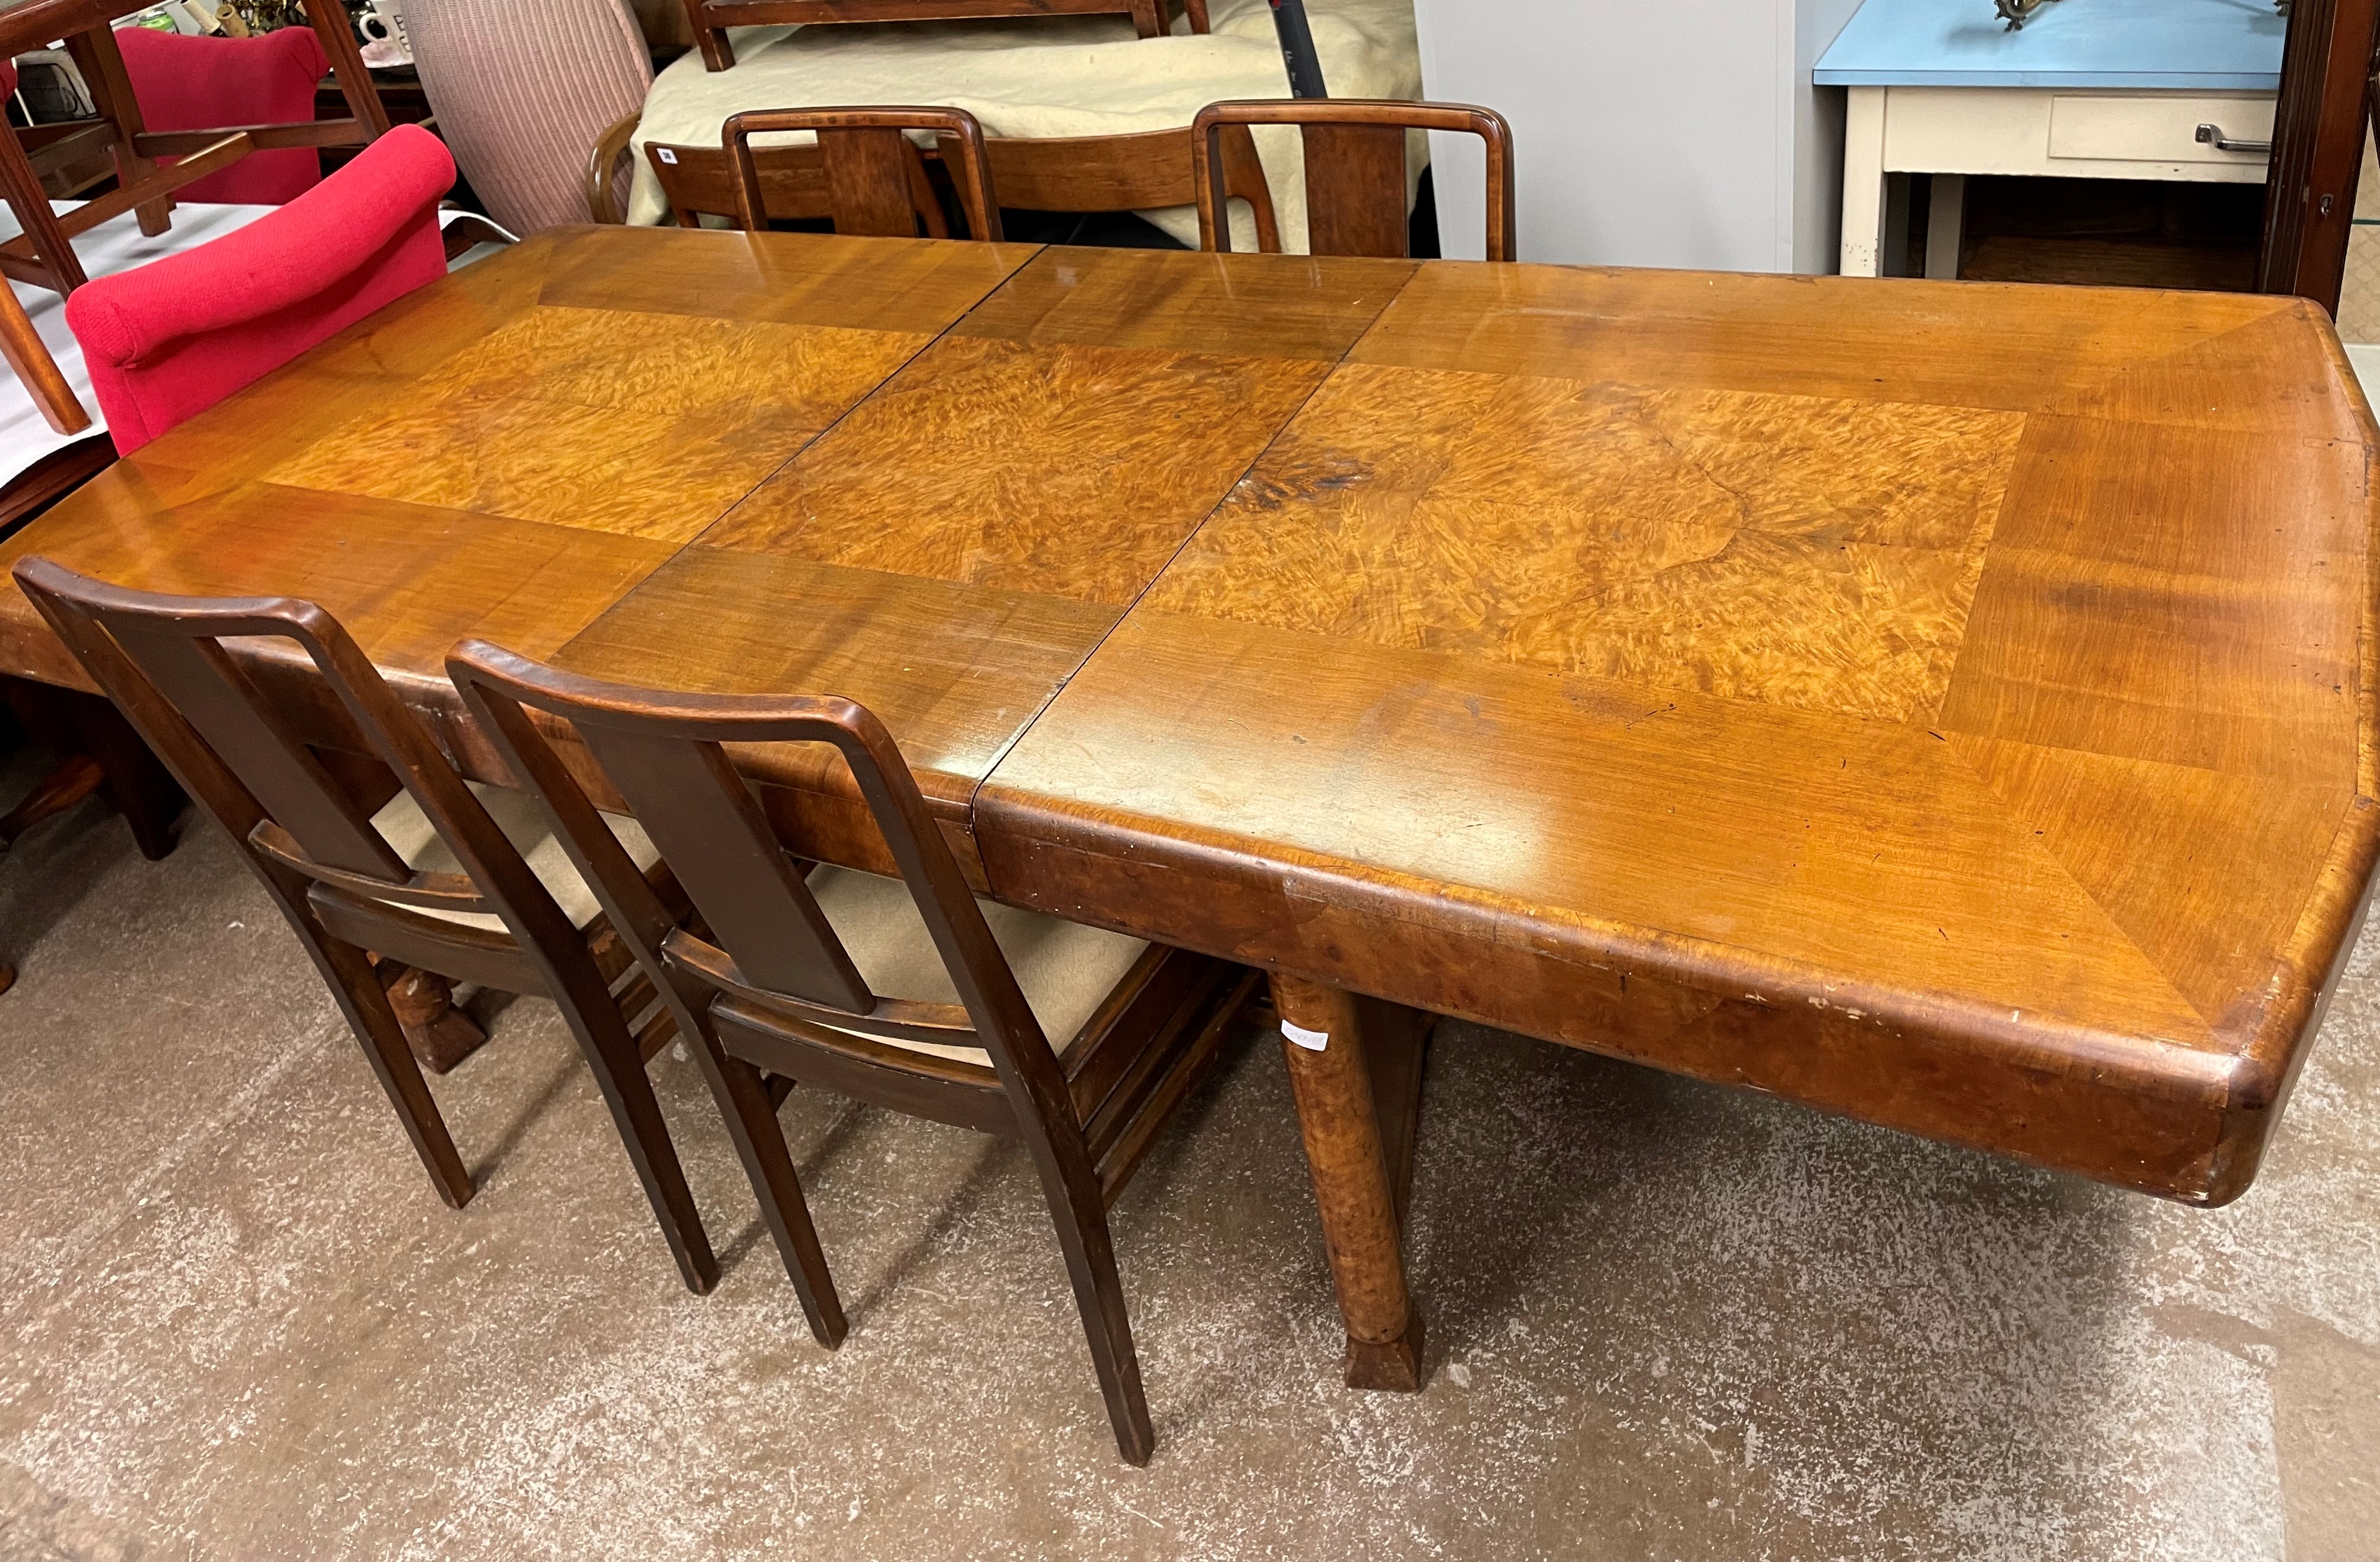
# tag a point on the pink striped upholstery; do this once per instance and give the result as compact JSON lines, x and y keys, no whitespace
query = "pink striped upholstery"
{"x":522,"y":91}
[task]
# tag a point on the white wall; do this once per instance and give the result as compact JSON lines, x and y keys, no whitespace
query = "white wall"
{"x":1647,"y":133}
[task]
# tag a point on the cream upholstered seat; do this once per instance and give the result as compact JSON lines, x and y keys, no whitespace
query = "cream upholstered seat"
{"x":412,"y":837}
{"x":1065,"y":968}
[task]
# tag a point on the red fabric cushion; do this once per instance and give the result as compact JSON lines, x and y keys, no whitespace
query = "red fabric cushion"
{"x":166,"y":341}
{"x":202,"y":83}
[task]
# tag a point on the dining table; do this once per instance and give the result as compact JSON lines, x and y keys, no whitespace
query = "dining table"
{"x":1949,"y":705}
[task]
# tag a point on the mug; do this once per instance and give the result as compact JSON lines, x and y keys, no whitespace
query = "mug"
{"x":389,"y":21}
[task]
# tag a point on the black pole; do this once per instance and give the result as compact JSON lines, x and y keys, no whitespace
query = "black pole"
{"x":1297,"y":49}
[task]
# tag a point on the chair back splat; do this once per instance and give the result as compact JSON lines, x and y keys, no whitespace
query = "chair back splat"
{"x":766,"y":974}
{"x":875,"y":176}
{"x":309,"y":787}
{"x":1355,"y":168}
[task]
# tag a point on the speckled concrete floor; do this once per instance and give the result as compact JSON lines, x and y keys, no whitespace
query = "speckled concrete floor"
{"x":1666,"y":1320}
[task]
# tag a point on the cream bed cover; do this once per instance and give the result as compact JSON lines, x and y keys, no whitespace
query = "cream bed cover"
{"x":1076,"y":75}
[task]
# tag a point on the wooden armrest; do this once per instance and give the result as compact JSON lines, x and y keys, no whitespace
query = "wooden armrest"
{"x":602,"y":168}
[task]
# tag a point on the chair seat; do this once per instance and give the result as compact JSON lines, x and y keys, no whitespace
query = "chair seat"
{"x":1065,"y":968}
{"x":411,"y":835}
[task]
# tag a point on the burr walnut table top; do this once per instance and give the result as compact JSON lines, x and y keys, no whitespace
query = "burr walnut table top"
{"x":1945,"y":703}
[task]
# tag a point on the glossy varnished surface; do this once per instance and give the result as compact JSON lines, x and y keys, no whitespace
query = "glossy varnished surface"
{"x":508,"y":450}
{"x":1942,"y":704}
{"x":1946,"y":704}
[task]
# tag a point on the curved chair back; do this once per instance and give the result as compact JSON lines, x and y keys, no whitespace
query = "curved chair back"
{"x":875,"y":178}
{"x":523,"y":91}
{"x":260,"y":756}
{"x":166,"y":341}
{"x":1355,"y":169}
{"x":770,"y":944}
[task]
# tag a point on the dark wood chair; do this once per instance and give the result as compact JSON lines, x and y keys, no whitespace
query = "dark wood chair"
{"x":710,"y":19}
{"x":1355,"y":169}
{"x":871,"y":177}
{"x":1139,"y":172}
{"x":374,"y":843}
{"x":906,"y":993}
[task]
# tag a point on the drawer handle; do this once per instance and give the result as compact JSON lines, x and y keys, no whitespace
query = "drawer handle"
{"x":2212,"y":135}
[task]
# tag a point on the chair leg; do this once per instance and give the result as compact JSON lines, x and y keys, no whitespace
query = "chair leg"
{"x":620,"y":1075}
{"x":357,"y":987}
{"x":748,"y":1104}
{"x":1082,"y":1224}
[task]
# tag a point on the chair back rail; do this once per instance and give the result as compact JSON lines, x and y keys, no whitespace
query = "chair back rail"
{"x":876,"y":182}
{"x":1355,"y":168}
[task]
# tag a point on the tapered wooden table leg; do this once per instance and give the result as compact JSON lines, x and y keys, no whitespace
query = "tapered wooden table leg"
{"x":1358,"y":1151}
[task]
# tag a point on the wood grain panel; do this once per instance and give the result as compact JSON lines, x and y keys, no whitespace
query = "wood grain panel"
{"x":955,"y":672}
{"x":1812,"y":552}
{"x":364,"y":367}
{"x":2207,"y":872}
{"x":1066,"y":470}
{"x":2270,"y":373}
{"x":406,"y":580}
{"x":604,"y":420}
{"x":1963,"y":344}
{"x":2174,"y":595}
{"x":805,"y":375}
{"x":787,"y":279}
{"x":1857,"y":864}
{"x":1167,"y":300}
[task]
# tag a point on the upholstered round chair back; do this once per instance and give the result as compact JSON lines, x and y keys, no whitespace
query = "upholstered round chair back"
{"x":522,"y":91}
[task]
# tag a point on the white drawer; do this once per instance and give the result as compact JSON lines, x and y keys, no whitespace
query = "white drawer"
{"x":2137,"y":128}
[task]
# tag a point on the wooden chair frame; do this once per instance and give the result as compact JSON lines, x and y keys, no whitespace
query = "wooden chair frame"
{"x":1038,"y":173}
{"x":710,"y":19}
{"x":764,"y":982}
{"x":43,"y":253}
{"x":603,"y":169}
{"x":876,"y":181}
{"x":1358,"y":206}
{"x":301,"y":816}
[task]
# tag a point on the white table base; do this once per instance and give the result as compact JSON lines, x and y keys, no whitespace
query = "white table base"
{"x":2074,"y":133}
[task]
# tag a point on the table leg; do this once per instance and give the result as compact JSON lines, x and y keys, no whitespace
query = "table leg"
{"x":1864,"y":197}
{"x":1946,"y":219}
{"x":1354,"y":1067}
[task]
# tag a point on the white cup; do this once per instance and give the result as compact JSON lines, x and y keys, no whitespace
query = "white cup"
{"x":384,"y":23}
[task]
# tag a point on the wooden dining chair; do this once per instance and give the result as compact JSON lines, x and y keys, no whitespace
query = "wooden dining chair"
{"x":710,"y":19}
{"x":906,"y":993}
{"x":865,"y":172}
{"x":367,"y":841}
{"x":1355,"y":169}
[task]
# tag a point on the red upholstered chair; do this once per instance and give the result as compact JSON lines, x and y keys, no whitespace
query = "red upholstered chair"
{"x":198,"y":83}
{"x":166,"y":341}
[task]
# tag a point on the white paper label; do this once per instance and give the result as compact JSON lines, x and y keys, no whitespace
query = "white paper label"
{"x":666,"y":155}
{"x":1313,"y":1041}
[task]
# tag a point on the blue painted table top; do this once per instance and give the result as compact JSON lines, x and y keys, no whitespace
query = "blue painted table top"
{"x":2231,"y":45}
